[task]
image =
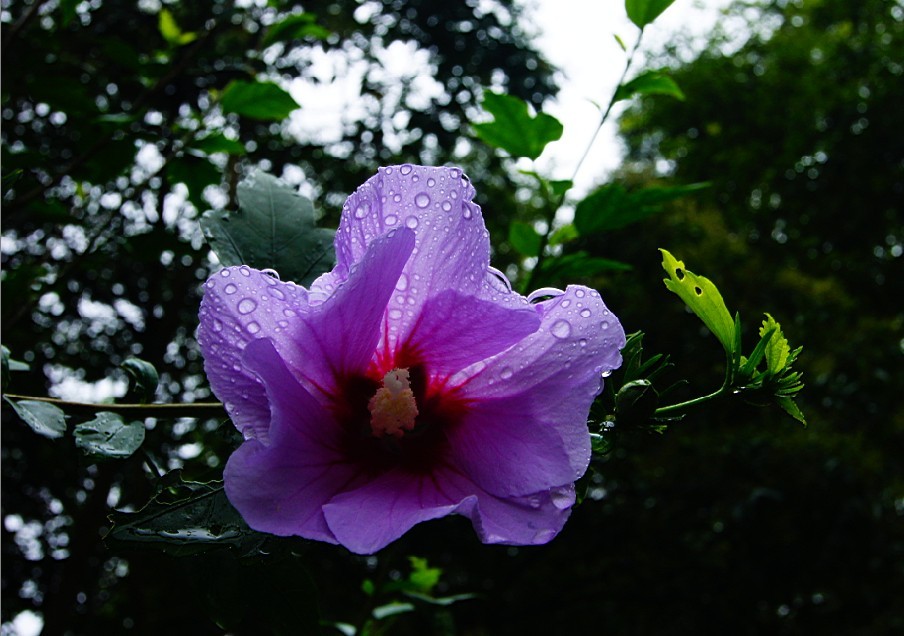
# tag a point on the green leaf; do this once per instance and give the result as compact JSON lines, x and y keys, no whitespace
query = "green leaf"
{"x":791,"y":408}
{"x":391,"y":609}
{"x":524,"y":238}
{"x":107,"y":435}
{"x":275,"y":229}
{"x":143,"y":378}
{"x":579,"y":265}
{"x":620,"y":41}
{"x":257,"y":100}
{"x":170,"y":30}
{"x":649,"y":83}
{"x":514,"y":129}
{"x":777,"y":349}
{"x":704,"y":299}
{"x":750,"y":365}
{"x":42,"y":417}
{"x":643,"y":12}
{"x":611,"y":206}
{"x":200,"y":519}
{"x":196,"y":173}
{"x":297,"y":26}
{"x":564,"y":234}
{"x":217,"y":142}
{"x":423,"y":578}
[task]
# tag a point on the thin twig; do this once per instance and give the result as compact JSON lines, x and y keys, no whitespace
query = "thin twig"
{"x":138,"y":411}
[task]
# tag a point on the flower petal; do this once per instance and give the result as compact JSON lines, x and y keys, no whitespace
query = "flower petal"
{"x":281,"y":488}
{"x":552,"y":376}
{"x":452,"y":249}
{"x":239,"y":305}
{"x":369,"y":518}
{"x":454,"y":331}
{"x":341,"y":334}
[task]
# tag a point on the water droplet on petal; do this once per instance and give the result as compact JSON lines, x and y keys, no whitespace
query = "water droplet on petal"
{"x":391,"y":219}
{"x":467,"y":211}
{"x":585,"y":313}
{"x":269,"y":275}
{"x":217,"y":325}
{"x":579,"y":293}
{"x":606,"y":373}
{"x":446,"y":206}
{"x":224,"y":273}
{"x":582,"y":342}
{"x":506,"y":373}
{"x":566,"y":304}
{"x":361,"y":211}
{"x":411,"y":222}
{"x":431,"y":182}
{"x":405,"y":169}
{"x":604,"y":325}
{"x":230,"y":289}
{"x":289,"y":313}
{"x":422,"y":200}
{"x":244,"y":270}
{"x":395,"y":314}
{"x":402,"y":283}
{"x":561,"y":498}
{"x":561,"y":329}
{"x":253,"y":328}
{"x":246,"y":306}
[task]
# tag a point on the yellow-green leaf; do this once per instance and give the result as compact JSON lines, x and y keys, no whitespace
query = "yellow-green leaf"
{"x":702,"y":296}
{"x":777,"y":349}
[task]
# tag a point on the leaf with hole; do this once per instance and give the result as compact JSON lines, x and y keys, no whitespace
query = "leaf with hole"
{"x":703,"y":298}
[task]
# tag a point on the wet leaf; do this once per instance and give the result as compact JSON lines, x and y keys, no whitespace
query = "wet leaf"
{"x":108,"y":435}
{"x":42,"y":417}
{"x":274,"y":228}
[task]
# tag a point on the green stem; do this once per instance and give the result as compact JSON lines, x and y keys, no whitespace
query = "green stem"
{"x":556,"y":203}
{"x":138,"y":411}
{"x":673,"y":408}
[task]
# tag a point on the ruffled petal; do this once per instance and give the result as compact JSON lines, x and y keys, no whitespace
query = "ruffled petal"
{"x":552,"y":376}
{"x":376,"y":514}
{"x":369,"y":518}
{"x":239,"y":305}
{"x":281,"y":488}
{"x":453,"y":331}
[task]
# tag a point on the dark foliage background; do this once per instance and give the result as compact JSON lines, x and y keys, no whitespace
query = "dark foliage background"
{"x":735,"y":520}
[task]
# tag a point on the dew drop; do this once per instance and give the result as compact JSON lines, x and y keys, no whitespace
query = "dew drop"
{"x":467,"y":212}
{"x":217,"y":325}
{"x":606,"y":373}
{"x":604,"y":325}
{"x":582,"y":342}
{"x":361,"y":211}
{"x":270,"y":275}
{"x":579,"y":293}
{"x":561,"y":329}
{"x":585,"y":313}
{"x":253,"y":328}
{"x":402,"y":283}
{"x":395,"y":314}
{"x":244,"y":271}
{"x":447,"y":206}
{"x":405,"y":169}
{"x":506,"y":373}
{"x":391,"y":219}
{"x":230,"y":289}
{"x":224,"y":273}
{"x":411,"y":222}
{"x":431,"y":182}
{"x":566,"y":304}
{"x":397,"y":198}
{"x":289,"y":313}
{"x":277,"y":293}
{"x":246,"y":306}
{"x":422,"y":200}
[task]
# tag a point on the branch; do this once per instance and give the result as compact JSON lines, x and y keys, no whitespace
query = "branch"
{"x":137,"y":411}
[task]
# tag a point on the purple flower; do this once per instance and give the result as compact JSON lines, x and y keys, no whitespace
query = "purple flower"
{"x":408,"y":383}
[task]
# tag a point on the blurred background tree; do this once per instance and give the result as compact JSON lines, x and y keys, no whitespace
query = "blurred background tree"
{"x":121,"y":122}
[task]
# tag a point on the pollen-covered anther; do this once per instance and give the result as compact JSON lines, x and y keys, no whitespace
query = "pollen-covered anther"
{"x":393,"y":408}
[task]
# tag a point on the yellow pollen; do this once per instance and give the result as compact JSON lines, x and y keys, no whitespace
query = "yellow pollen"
{"x":393,"y":409}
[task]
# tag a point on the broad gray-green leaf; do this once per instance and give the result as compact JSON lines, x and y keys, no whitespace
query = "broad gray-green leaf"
{"x":42,"y":417}
{"x":108,"y":435}
{"x":258,"y":100}
{"x":274,"y":229}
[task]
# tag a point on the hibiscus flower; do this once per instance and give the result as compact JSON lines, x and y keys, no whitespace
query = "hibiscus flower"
{"x":410,"y":382}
